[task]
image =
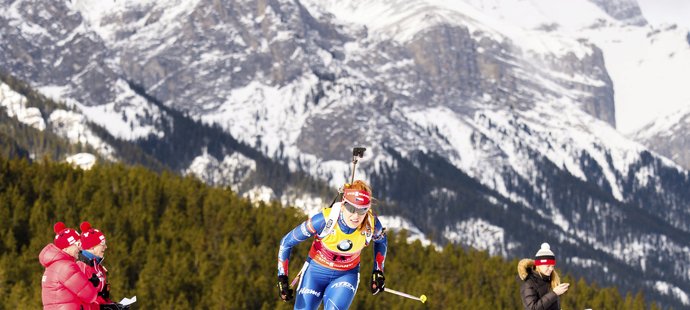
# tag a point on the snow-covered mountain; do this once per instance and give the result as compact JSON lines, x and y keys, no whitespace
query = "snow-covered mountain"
{"x":668,"y":136}
{"x":488,"y":123}
{"x":70,"y":125}
{"x":52,"y":47}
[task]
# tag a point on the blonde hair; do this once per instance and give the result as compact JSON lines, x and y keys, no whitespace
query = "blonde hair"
{"x":361,"y":185}
{"x":555,"y":279}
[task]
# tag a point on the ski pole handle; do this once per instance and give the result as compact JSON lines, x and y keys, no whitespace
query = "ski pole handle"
{"x":392,"y":291}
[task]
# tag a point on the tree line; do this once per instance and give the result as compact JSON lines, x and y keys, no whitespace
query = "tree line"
{"x":177,"y":243}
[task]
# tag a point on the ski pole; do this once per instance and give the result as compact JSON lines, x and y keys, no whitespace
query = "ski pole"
{"x":299,"y":275}
{"x":392,"y":291}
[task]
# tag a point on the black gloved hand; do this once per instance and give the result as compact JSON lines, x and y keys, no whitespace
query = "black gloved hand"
{"x":105,"y":292}
{"x":94,"y":280}
{"x":378,"y":282}
{"x":284,"y":290}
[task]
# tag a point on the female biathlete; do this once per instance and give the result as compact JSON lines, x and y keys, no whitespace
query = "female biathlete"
{"x":331,"y":272}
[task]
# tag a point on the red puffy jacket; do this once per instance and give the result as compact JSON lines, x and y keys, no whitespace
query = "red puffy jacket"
{"x":88,"y":268}
{"x":64,"y":286}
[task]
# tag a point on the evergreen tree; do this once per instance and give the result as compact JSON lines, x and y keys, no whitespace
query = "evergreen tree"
{"x":177,"y":243}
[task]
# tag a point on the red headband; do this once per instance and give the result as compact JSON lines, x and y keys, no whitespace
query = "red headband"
{"x":357,"y":197}
{"x":545,"y":261}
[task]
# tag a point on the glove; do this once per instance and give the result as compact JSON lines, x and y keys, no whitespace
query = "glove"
{"x":94,"y":280}
{"x":378,"y":282}
{"x":284,"y":290}
{"x":105,"y":292}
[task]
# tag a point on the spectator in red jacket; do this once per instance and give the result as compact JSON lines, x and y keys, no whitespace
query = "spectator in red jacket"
{"x":90,"y":263}
{"x":64,"y":286}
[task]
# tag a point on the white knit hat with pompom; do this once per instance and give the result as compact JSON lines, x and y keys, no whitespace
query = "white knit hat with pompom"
{"x":545,"y":256}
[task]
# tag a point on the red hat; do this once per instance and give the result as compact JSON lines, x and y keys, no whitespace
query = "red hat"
{"x":357,"y":197}
{"x":64,"y":237}
{"x":90,"y":237}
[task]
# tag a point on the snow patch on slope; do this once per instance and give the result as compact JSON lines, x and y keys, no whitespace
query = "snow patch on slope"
{"x":478,"y":234}
{"x":162,"y":13}
{"x":231,"y":171}
{"x":85,"y":161}
{"x":257,"y":108}
{"x":665,"y":126}
{"x":15,"y":105}
{"x":310,"y":205}
{"x":397,"y":223}
{"x":260,"y":194}
{"x":74,"y":127}
{"x":128,"y":117}
{"x":584,"y":262}
{"x":670,"y":289}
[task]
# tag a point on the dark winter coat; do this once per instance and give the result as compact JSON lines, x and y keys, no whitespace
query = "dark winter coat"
{"x":64,"y":286}
{"x":536,"y":291}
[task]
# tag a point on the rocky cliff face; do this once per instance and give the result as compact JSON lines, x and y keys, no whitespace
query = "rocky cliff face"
{"x":47,"y":44}
{"x":52,"y":46}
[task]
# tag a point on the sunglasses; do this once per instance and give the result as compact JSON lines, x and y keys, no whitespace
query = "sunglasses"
{"x":352,"y":209}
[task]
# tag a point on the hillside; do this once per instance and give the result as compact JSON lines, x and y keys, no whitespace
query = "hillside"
{"x":177,"y":243}
{"x":34,"y":126}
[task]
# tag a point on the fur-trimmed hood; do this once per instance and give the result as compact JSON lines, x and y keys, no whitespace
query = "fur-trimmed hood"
{"x":526,"y":266}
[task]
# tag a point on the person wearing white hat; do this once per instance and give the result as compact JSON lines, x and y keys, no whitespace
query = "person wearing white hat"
{"x":541,"y":286}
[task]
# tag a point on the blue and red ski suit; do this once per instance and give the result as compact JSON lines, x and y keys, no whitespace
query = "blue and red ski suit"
{"x":331,"y":272}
